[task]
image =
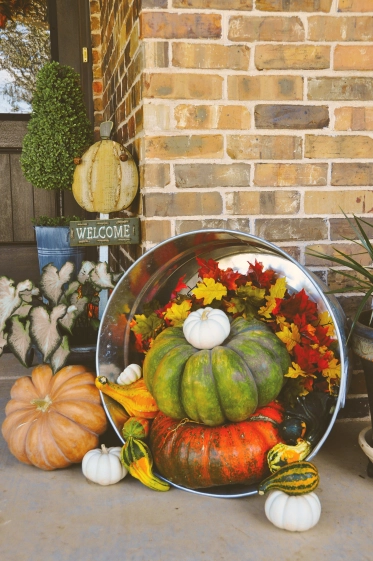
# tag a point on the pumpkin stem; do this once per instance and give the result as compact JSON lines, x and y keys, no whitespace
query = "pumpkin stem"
{"x":205,"y":314}
{"x":42,"y":404}
{"x":104,"y":449}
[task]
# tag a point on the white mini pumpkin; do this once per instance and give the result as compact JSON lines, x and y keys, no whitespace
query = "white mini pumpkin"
{"x":206,"y":328}
{"x":295,"y":513}
{"x":129,"y":375}
{"x":103,"y":466}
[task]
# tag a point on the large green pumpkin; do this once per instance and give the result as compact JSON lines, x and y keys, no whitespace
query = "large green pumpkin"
{"x":226,"y":383}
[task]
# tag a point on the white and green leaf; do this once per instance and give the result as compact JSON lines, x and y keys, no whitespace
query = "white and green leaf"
{"x":100,"y":277}
{"x":59,"y":357}
{"x":19,"y":339}
{"x":52,"y":281}
{"x":44,"y":328}
{"x":10,"y":298}
{"x":3,"y":341}
{"x":68,"y":320}
{"x":23,"y":311}
{"x":85,"y":270}
{"x":79,"y":302}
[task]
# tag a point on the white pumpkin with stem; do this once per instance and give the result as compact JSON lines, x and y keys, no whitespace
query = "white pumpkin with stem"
{"x":103,"y":466}
{"x":206,"y":328}
{"x":296,"y":513}
{"x":129,"y":375}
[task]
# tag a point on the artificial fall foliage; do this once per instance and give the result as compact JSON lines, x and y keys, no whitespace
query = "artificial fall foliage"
{"x":260,"y":293}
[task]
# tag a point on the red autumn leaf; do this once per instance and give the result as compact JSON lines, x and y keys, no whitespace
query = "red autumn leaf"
{"x":298,"y":303}
{"x":260,"y":278}
{"x":229,"y":279}
{"x":208,"y":269}
{"x":322,"y":338}
{"x":180,"y":285}
{"x":306,"y":357}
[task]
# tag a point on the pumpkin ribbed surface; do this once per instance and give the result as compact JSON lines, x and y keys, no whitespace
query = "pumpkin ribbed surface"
{"x":198,"y":456}
{"x":213,"y":386}
{"x":52,"y":421}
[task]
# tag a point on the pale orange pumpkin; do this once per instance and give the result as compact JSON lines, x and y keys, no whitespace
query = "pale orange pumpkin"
{"x":52,"y":421}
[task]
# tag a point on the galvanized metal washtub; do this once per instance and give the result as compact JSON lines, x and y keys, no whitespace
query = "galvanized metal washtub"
{"x":155,"y":275}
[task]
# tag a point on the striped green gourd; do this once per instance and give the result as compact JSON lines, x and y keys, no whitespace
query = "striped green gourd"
{"x":297,"y":478}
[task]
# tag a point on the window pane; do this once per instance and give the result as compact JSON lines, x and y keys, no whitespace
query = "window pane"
{"x":24,"y":48}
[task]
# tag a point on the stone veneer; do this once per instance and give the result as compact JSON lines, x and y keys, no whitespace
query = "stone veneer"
{"x":249,"y":115}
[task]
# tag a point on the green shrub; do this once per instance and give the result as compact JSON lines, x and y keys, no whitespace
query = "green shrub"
{"x":58,"y":131}
{"x":56,"y":221}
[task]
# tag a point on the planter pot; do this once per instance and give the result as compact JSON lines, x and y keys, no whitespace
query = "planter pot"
{"x":155,"y":274}
{"x":53,"y":244}
{"x":362,"y":346}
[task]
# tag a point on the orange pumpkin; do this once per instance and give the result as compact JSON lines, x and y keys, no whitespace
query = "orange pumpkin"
{"x":52,"y":421}
{"x":196,"y":455}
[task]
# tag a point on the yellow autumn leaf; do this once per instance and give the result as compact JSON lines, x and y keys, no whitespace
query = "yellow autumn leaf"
{"x":281,"y":320}
{"x":290,"y":336}
{"x":326,"y":321}
{"x":295,"y":371}
{"x":266,"y":310}
{"x":278,"y":289}
{"x":209,"y":290}
{"x":178,"y":313}
{"x":333,"y":370}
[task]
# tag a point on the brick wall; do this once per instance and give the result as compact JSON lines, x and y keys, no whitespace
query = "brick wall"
{"x":244,"y":114}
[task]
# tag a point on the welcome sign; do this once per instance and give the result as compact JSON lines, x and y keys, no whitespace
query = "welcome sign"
{"x":116,"y":231}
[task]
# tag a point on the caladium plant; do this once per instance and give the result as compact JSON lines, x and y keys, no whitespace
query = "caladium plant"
{"x":47,"y":317}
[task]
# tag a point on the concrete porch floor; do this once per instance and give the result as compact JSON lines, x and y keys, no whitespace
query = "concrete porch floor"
{"x":60,"y":516}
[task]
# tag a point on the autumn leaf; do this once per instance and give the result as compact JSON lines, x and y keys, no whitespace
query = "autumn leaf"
{"x":229,"y":279}
{"x":333,"y":370}
{"x":278,"y":290}
{"x":290,"y":336}
{"x":255,"y":294}
{"x":324,"y":320}
{"x":267,"y":309}
{"x":209,"y":290}
{"x":235,"y":306}
{"x":177,"y":313}
{"x":147,"y":327}
{"x":208,"y":269}
{"x":298,"y":303}
{"x":295,"y":371}
{"x":259,"y":277}
{"x":179,"y":286}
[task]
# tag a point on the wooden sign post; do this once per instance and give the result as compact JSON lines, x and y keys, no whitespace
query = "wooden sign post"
{"x":103,"y":233}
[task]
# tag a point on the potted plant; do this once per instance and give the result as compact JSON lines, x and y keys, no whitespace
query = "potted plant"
{"x":58,"y":131}
{"x":55,"y":319}
{"x":360,"y":335}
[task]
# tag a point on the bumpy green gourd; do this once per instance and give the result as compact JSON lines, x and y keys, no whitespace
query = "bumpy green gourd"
{"x":297,"y":478}
{"x":284,"y":454}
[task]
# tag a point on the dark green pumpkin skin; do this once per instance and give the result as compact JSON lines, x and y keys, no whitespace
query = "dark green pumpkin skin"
{"x":226,"y":383}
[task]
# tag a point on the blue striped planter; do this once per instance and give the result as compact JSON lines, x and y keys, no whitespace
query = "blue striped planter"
{"x":53,"y":244}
